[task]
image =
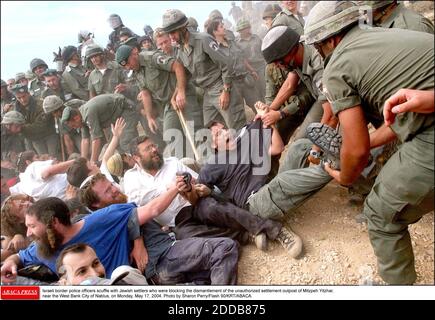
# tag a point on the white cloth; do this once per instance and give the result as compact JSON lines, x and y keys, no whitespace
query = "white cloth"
{"x":32,"y":184}
{"x":141,"y":188}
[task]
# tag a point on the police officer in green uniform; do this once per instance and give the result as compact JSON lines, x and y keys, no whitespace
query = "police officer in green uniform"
{"x":364,"y":67}
{"x":38,"y":130}
{"x":97,"y":115}
{"x":7,"y":98}
{"x":107,"y":77}
{"x":281,"y":46}
{"x":385,"y":14}
{"x":75,"y":76}
{"x":217,"y":15}
{"x":391,"y":14}
{"x":251,"y":46}
{"x":54,"y":86}
{"x":210,"y":69}
{"x":12,"y":141}
{"x":71,"y":138}
{"x":290,"y":17}
{"x":37,"y":85}
{"x":243,"y":75}
{"x":20,"y":77}
{"x":162,"y":78}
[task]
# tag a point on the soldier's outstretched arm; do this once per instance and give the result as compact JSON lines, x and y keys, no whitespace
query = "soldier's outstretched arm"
{"x":96,"y":149}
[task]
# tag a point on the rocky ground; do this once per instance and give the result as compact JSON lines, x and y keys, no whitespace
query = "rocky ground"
{"x":337,"y":248}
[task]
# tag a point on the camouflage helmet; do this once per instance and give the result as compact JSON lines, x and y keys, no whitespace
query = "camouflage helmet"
{"x":192,"y":23}
{"x":375,"y":4}
{"x":51,"y":103}
{"x":13,"y":117}
{"x":327,"y":18}
{"x":215,"y":15}
{"x":242,"y":24}
{"x":19,"y":76}
{"x":4,"y":84}
{"x":271,"y":11}
{"x":36,"y":63}
{"x":93,"y":50}
{"x":74,"y":103}
{"x":173,"y":19}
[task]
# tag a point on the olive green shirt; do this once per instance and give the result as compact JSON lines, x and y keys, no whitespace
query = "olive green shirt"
{"x":202,"y":57}
{"x":99,"y":83}
{"x":61,"y":93}
{"x":312,"y":72}
{"x":75,"y":81}
{"x":287,"y":18}
{"x":369,"y":66}
{"x":275,"y":78}
{"x":404,"y":18}
{"x":156,"y":76}
{"x":99,"y":112}
{"x":36,"y":87}
{"x":38,"y":124}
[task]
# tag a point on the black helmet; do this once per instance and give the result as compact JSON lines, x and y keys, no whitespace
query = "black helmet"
{"x":115,"y":21}
{"x":36,"y":63}
{"x":68,"y":52}
{"x":278,"y":42}
{"x":148,"y":30}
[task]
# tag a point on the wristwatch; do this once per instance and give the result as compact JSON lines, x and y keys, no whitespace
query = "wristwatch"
{"x":226,"y":89}
{"x":282,"y":115}
{"x":315,"y":154}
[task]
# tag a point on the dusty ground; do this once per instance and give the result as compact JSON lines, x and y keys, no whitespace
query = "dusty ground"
{"x":337,"y":249}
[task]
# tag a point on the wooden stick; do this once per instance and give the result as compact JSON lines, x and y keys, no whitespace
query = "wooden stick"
{"x":187,"y":132}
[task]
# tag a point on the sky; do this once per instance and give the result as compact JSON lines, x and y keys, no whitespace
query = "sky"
{"x":35,"y":29}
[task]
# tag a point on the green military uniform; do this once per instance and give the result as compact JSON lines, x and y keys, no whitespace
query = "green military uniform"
{"x":298,"y":105}
{"x":36,"y":87}
{"x":99,"y":83}
{"x":10,"y":143}
{"x":76,"y":82}
{"x":102,"y":111}
{"x":210,"y":71}
{"x":241,"y":78}
{"x":9,"y":99}
{"x":61,"y":93}
{"x":287,"y":18}
{"x":39,"y":130}
{"x":366,"y":68}
{"x":404,"y":18}
{"x":400,"y":18}
{"x":157,"y":77}
{"x":251,"y":48}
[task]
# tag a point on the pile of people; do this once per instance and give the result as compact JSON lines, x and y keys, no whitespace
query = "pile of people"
{"x":137,"y":164}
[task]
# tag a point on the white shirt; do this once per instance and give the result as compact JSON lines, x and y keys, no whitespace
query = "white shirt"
{"x":141,"y":188}
{"x":32,"y":184}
